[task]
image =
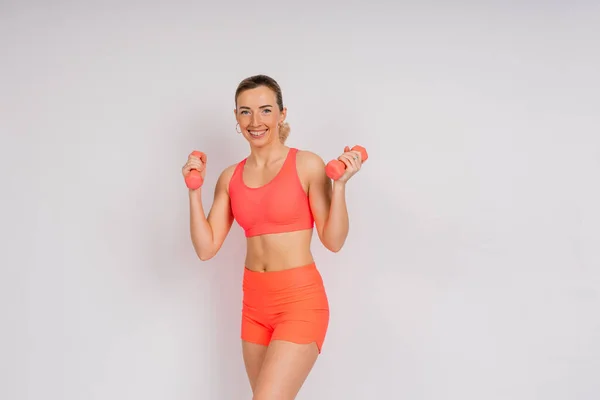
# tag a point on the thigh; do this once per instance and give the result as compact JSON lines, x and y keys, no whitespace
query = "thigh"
{"x":253,"y":354}
{"x":303,"y":326}
{"x":284,"y":370}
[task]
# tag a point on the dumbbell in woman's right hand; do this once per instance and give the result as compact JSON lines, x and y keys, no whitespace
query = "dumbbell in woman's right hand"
{"x":194,"y":170}
{"x":335,"y":168}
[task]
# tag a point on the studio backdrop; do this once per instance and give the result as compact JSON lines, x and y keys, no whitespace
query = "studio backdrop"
{"x":471,"y":270}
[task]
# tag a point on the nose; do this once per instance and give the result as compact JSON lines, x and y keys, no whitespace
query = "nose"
{"x":255,"y":119}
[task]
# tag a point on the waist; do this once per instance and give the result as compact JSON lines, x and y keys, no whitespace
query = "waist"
{"x":280,"y":251}
{"x":296,"y":277}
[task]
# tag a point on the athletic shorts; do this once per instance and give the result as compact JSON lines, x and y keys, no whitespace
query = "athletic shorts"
{"x":288,"y":305}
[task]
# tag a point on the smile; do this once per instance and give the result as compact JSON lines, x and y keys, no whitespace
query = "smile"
{"x":257,"y":134}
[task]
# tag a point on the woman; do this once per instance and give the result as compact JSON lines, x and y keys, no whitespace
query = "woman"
{"x":277,"y":194}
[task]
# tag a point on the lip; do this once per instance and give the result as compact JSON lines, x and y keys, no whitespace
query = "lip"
{"x":261,"y":133}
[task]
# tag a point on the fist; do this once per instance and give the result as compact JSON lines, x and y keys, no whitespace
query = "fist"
{"x":194,"y":169}
{"x":353,"y":162}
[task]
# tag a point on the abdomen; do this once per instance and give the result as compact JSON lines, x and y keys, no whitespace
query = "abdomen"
{"x":275,"y":252}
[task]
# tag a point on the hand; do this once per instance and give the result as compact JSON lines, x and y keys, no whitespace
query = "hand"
{"x":353,"y":162}
{"x":194,"y":162}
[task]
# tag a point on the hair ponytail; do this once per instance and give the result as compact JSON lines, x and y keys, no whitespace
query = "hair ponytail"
{"x":284,"y":132}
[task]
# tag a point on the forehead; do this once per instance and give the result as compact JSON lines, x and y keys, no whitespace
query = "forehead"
{"x":257,"y":97}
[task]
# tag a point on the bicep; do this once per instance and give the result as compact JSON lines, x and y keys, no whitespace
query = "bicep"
{"x":220,"y":216}
{"x":319,"y":194}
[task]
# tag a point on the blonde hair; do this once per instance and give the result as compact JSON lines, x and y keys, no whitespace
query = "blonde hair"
{"x":255,"y":81}
{"x":284,"y":132}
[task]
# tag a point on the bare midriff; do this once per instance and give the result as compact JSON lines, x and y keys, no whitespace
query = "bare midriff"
{"x":279,"y":251}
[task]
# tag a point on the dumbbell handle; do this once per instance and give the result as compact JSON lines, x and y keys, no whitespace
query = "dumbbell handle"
{"x":194,"y":179}
{"x":335,"y":168}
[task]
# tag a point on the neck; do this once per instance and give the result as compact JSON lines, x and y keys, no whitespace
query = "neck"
{"x":267,"y":154}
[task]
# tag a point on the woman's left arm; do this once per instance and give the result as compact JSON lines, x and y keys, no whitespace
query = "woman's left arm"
{"x":328,"y":200}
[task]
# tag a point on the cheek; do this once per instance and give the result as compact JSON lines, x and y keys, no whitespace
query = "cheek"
{"x":273,"y":120}
{"x":243,"y":120}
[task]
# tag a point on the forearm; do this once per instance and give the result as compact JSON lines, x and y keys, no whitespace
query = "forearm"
{"x":336,"y":227}
{"x":200,"y":230}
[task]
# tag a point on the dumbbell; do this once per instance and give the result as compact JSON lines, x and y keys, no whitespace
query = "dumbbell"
{"x":194,"y":180}
{"x":335,"y":168}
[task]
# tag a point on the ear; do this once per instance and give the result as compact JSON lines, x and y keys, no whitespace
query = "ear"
{"x":283,"y":114}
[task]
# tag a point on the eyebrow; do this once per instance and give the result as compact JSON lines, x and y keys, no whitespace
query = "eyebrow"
{"x":265,"y":106}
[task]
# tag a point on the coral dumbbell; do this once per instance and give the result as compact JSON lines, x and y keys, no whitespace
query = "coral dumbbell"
{"x":194,"y":179}
{"x":335,"y":168}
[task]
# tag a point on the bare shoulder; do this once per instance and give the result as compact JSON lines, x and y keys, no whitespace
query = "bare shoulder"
{"x":311,"y":169}
{"x":310,"y":162}
{"x":225,"y":177}
{"x":228,"y":171}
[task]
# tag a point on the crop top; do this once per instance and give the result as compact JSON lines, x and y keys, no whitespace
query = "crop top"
{"x":281,"y":205}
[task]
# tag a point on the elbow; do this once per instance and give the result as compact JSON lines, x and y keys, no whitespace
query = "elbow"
{"x":203,"y":253}
{"x":333,"y":242}
{"x":334,"y":247}
{"x":205,"y":257}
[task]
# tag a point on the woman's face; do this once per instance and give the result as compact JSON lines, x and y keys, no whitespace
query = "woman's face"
{"x":259,"y":116}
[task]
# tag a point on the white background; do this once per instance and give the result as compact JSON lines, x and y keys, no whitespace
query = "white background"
{"x":472,"y":266}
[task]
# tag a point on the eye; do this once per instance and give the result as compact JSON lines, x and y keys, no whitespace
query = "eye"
{"x":243,"y":112}
{"x":267,"y":110}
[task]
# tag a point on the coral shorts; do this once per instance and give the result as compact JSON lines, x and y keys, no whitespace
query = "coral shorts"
{"x":288,"y":305}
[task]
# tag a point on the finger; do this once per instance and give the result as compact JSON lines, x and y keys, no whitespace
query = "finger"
{"x":352,"y":154}
{"x":347,"y":154}
{"x":197,"y":159}
{"x":349,"y":161}
{"x":197,"y":156}
{"x":354,"y":162}
{"x":200,"y":156}
{"x":357,"y":159}
{"x":346,"y":160}
{"x":195,"y":165}
{"x":346,"y":149}
{"x":354,"y":158}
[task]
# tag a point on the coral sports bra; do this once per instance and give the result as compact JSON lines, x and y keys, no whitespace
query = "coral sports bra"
{"x":280,"y":205}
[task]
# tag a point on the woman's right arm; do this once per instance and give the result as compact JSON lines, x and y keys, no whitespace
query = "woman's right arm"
{"x":209,"y":233}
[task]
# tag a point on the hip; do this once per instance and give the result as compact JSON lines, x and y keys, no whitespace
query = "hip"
{"x":287,"y":289}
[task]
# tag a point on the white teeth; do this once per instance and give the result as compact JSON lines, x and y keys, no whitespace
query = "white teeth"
{"x":256,"y":133}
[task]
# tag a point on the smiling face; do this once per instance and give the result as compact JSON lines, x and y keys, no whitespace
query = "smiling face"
{"x":259,"y":115}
